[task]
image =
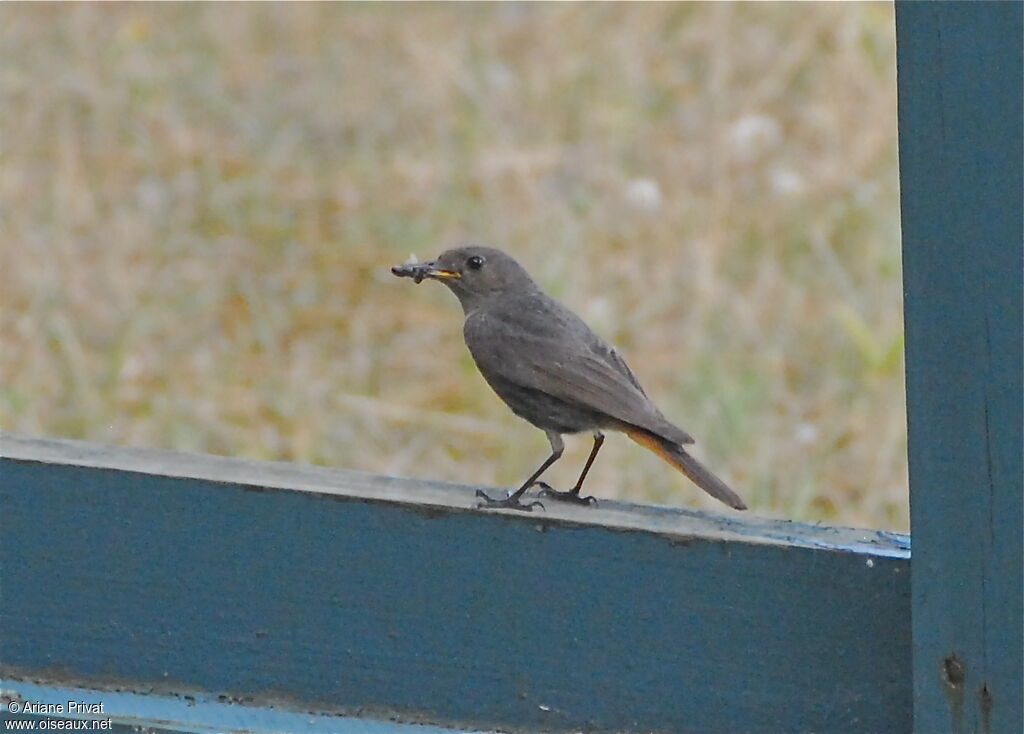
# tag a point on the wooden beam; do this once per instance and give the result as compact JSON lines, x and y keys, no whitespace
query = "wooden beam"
{"x":331,"y":591}
{"x":960,"y":113}
{"x":152,"y":713}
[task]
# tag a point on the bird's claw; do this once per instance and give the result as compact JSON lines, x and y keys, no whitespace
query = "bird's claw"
{"x":509,"y":503}
{"x":571,"y":495}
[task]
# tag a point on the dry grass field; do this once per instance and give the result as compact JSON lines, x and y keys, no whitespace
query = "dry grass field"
{"x":199,"y":204}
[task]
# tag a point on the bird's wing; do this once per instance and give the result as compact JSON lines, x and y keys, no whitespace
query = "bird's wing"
{"x":606,"y":352}
{"x":567,"y":360}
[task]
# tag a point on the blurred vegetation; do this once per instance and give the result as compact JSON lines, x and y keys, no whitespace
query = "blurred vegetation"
{"x":199,"y":203}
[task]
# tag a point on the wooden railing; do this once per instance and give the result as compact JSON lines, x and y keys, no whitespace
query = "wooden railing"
{"x":330,"y":591}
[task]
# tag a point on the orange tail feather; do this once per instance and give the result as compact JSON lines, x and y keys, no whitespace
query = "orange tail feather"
{"x":697,"y":472}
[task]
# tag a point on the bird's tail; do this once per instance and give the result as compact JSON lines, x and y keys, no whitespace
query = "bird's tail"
{"x":699,"y":474}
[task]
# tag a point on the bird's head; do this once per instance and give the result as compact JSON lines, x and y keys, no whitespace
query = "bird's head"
{"x":473,"y":273}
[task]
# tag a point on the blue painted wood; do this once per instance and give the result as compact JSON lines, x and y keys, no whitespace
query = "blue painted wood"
{"x":960,"y":112}
{"x":389,"y":599}
{"x":133,"y":712}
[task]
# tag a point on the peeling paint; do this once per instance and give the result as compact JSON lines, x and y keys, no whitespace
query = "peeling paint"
{"x":954,"y":675}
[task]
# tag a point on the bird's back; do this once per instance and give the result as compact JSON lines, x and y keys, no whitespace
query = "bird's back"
{"x":528,"y":343}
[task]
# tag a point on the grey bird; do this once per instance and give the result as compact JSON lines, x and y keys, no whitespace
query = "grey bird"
{"x":552,"y":370}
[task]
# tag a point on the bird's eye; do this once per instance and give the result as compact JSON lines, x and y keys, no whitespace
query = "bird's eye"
{"x":475,"y":263}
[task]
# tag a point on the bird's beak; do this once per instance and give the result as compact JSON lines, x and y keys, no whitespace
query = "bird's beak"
{"x":419,"y":271}
{"x":430,"y":271}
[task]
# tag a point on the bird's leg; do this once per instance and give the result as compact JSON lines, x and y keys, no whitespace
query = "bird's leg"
{"x":512,"y":501}
{"x":573,"y":495}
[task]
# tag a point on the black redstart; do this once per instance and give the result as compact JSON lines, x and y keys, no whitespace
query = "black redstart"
{"x":552,"y":370}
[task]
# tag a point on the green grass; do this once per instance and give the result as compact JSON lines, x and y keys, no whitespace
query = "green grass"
{"x":200,"y":202}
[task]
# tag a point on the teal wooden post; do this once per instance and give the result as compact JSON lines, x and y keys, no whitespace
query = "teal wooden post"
{"x":959,"y":67}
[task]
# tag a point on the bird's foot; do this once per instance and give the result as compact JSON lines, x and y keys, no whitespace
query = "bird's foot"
{"x":509,"y":503}
{"x":569,"y":495}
